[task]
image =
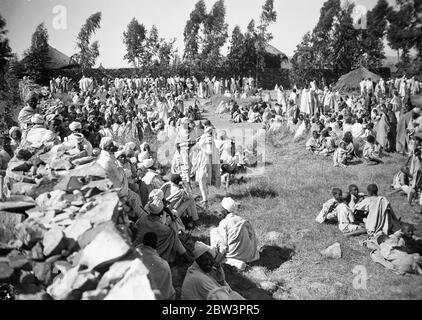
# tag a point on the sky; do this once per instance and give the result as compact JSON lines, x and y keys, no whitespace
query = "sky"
{"x":64,"y":18}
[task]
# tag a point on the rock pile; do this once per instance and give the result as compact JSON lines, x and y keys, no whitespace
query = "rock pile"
{"x":73,"y":238}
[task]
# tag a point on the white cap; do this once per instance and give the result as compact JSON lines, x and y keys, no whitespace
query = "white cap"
{"x":200,"y":248}
{"x":229,"y":204}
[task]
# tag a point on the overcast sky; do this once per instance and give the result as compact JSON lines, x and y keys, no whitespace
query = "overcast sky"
{"x":294,"y":19}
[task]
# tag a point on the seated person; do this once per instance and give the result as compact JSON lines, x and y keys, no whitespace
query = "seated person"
{"x":371,"y":152}
{"x":328,"y":209}
{"x":168,"y":244}
{"x":340,"y":157}
{"x":222,"y":107}
{"x":380,"y":215}
{"x":76,"y":136}
{"x":314,"y":144}
{"x":159,"y":272}
{"x":234,"y":238}
{"x":178,"y":199}
{"x":345,"y":217}
{"x":354,"y":196}
{"x":401,"y":182}
{"x":328,"y":142}
{"x":205,"y":278}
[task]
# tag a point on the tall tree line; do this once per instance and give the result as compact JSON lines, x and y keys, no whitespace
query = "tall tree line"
{"x":337,"y":45}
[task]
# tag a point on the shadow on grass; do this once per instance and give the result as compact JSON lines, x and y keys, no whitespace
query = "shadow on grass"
{"x":263,"y":192}
{"x":244,"y":286}
{"x":272,"y":257}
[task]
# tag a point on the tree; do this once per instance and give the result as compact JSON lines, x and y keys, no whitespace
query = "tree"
{"x":191,"y":32}
{"x":405,"y":29}
{"x":134,"y":39}
{"x":302,"y":61}
{"x":236,"y":52}
{"x":263,"y":37}
{"x":36,"y":57}
{"x":5,"y":51}
{"x":152,"y":48}
{"x":215,"y":35}
{"x":250,"y":52}
{"x":372,"y":37}
{"x":345,"y":43}
{"x":88,"y":52}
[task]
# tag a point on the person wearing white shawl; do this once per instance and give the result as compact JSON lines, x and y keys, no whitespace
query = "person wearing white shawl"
{"x":207,"y":164}
{"x":305,"y":101}
{"x":76,"y":136}
{"x":39,"y":135}
{"x":234,"y":238}
{"x":205,"y":278}
{"x":381,"y":218}
{"x":116,"y":174}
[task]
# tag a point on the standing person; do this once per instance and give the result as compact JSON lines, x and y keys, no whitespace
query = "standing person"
{"x":402,"y":137}
{"x":207,"y":164}
{"x":382,"y":128}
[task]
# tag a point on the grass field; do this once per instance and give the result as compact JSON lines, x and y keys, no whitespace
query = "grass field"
{"x":282,"y":205}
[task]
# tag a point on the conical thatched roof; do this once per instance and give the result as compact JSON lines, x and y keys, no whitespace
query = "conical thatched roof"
{"x":352,"y":79}
{"x":58,"y":59}
{"x":274,"y":51}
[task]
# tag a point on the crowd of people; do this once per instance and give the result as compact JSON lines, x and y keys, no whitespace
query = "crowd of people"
{"x":163,"y":157}
{"x":124,"y":130}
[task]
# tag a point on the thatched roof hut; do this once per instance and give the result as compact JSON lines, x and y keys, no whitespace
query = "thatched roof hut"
{"x":58,"y":59}
{"x":352,"y":79}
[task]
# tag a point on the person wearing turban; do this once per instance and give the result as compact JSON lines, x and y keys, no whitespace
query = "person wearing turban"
{"x":234,"y":238}
{"x":76,"y":129}
{"x":205,"y":278}
{"x":168,"y":242}
{"x":38,"y":135}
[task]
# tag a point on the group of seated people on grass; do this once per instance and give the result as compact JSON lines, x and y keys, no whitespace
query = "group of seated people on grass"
{"x":358,"y":214}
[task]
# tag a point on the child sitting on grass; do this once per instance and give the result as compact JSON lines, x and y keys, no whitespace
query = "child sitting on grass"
{"x":340,"y":155}
{"x":328,"y":211}
{"x":371,"y":151}
{"x":314,"y":144}
{"x":345,"y":217}
{"x":401,"y":182}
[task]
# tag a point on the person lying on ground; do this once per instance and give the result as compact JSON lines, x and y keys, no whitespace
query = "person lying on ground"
{"x":328,"y":209}
{"x":205,"y":278}
{"x":371,"y":151}
{"x":234,"y":238}
{"x":393,"y":253}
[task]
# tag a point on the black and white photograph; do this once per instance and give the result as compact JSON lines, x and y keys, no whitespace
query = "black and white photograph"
{"x":198,"y":150}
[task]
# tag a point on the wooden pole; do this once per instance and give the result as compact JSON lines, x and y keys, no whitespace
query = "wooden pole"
{"x":2,"y":197}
